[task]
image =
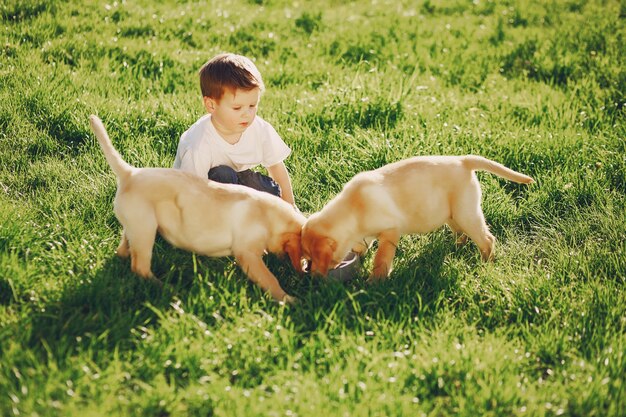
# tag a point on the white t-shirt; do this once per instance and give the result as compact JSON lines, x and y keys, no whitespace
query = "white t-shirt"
{"x":201,"y":148}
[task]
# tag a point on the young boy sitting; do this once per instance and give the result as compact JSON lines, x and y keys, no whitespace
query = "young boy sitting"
{"x":226,"y":143}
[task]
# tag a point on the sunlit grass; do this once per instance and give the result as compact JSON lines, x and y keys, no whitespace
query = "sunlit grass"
{"x":350,"y":86}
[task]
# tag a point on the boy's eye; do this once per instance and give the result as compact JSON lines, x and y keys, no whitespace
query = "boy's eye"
{"x":236,"y":108}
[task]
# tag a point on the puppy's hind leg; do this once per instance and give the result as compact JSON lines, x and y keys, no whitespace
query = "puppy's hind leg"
{"x":123,"y":249}
{"x":141,"y":237}
{"x":474,"y":225}
{"x":469,"y":218}
{"x":459,"y":235}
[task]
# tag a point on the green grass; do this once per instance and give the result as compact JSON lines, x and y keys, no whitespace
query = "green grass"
{"x":539,"y":86}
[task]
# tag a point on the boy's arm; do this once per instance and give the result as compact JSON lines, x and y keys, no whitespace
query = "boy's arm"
{"x":279,"y":173}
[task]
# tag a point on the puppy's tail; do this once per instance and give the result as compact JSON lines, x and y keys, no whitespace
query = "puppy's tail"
{"x":117,"y":164}
{"x":478,"y":163}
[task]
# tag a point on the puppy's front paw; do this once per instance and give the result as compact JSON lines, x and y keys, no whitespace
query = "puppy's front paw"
{"x":289,"y":300}
{"x":374,"y":280}
{"x":154,"y":280}
{"x":378,"y":275}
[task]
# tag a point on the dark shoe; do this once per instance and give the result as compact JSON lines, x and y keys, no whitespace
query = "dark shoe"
{"x":346,"y":269}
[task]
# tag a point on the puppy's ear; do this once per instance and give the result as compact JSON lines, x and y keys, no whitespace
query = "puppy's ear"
{"x":322,"y":254}
{"x":293,"y":248}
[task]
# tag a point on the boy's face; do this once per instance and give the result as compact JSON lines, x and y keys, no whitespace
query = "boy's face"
{"x":234,"y":112}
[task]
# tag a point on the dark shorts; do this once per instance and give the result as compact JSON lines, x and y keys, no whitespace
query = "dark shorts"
{"x":249,"y":178}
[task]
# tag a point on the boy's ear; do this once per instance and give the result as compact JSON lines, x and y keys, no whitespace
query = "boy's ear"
{"x":209,"y":104}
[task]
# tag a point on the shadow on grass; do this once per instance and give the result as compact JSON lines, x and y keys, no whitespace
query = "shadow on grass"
{"x":101,"y":310}
{"x":413,"y":292}
{"x":105,"y":312}
{"x":97,"y":313}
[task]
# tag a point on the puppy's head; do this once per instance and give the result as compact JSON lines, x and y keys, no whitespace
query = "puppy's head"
{"x":293,"y":248}
{"x":318,"y":249}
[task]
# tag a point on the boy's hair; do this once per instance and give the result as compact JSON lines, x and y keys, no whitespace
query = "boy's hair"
{"x":229,"y":72}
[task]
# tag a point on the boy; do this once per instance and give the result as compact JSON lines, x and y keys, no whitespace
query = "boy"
{"x":226,"y":143}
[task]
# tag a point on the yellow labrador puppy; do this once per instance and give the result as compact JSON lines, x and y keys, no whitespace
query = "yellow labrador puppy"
{"x":416,"y":195}
{"x":201,"y":216}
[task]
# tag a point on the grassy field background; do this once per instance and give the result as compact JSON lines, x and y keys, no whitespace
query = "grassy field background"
{"x":539,"y":86}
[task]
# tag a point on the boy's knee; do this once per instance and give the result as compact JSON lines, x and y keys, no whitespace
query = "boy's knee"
{"x":259,"y":182}
{"x":223,"y":174}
